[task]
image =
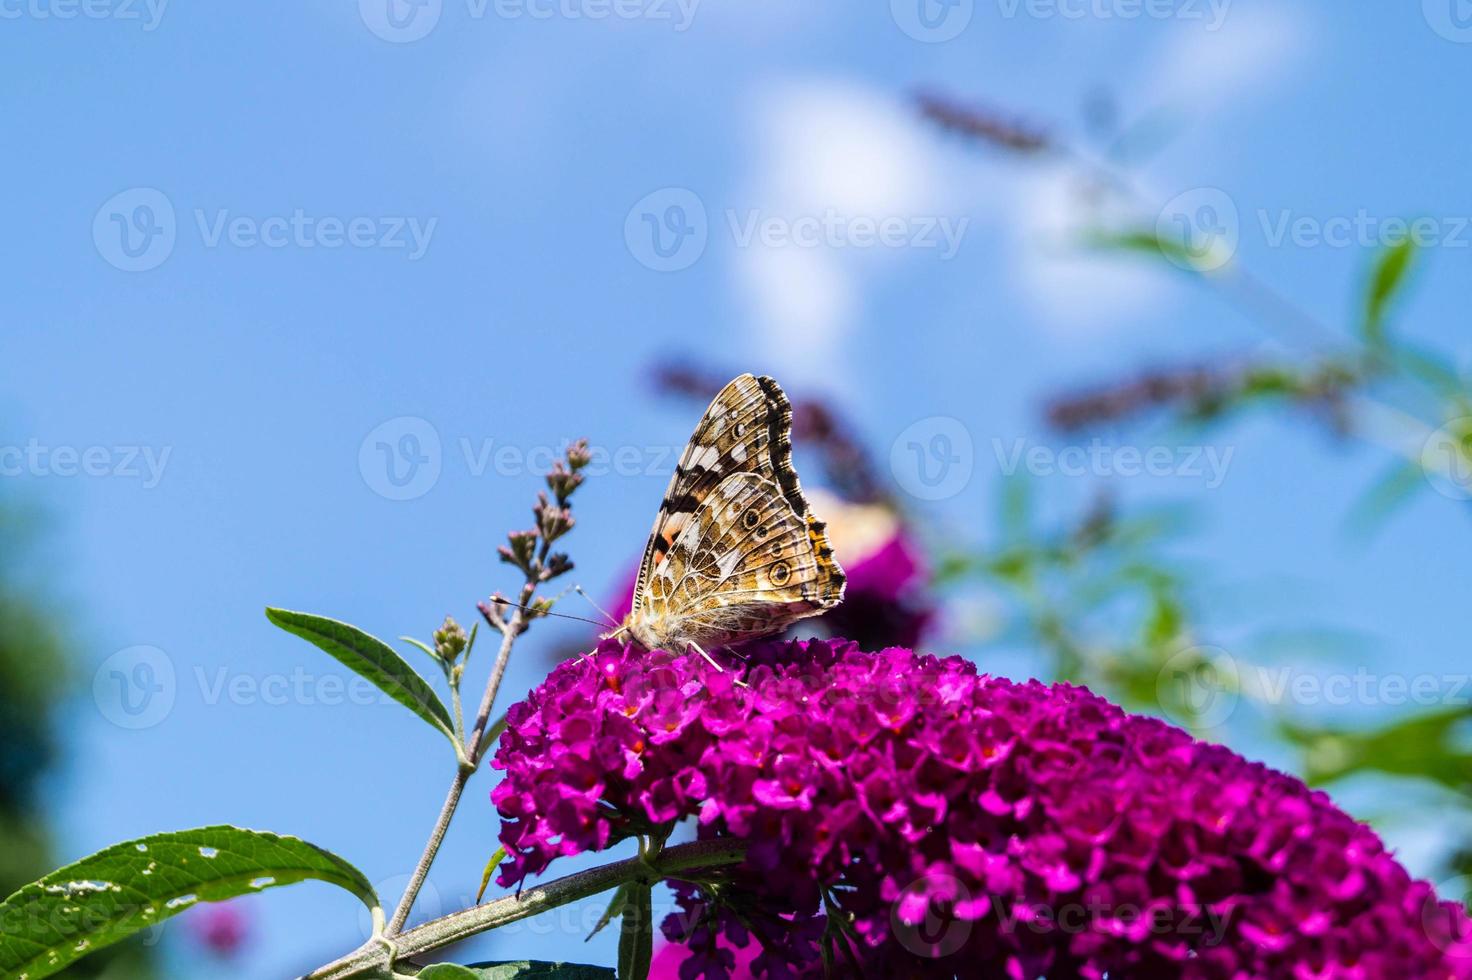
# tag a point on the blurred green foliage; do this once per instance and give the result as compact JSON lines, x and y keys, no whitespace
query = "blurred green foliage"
{"x":36,"y":674}
{"x":1368,"y":381}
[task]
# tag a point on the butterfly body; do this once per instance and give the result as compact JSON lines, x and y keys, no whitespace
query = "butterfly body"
{"x":735,"y":553}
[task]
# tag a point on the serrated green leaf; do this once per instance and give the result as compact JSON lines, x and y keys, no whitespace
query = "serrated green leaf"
{"x":1385,"y":281}
{"x":516,"y":970}
{"x":128,"y":887}
{"x":370,"y":657}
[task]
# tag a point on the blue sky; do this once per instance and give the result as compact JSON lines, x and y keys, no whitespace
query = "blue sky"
{"x":272,"y":307}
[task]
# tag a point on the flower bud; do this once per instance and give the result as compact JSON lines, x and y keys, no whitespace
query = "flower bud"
{"x":449,"y":641}
{"x":522,"y":550}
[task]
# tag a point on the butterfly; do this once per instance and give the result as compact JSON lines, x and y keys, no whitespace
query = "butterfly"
{"x":735,"y":553}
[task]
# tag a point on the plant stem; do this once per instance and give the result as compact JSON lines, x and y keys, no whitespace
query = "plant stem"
{"x":373,"y":957}
{"x":474,"y":750}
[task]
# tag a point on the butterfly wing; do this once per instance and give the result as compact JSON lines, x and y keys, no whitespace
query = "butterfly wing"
{"x":746,"y":564}
{"x":746,"y":429}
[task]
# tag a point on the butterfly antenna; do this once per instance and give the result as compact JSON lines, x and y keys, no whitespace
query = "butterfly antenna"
{"x":491,"y":603}
{"x":611,"y":621}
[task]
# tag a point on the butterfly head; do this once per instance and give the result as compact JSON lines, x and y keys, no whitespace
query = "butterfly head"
{"x":656,"y":632}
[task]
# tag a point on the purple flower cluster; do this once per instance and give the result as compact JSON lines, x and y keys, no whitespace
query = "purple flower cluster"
{"x":886,"y":602}
{"x":909,"y":817}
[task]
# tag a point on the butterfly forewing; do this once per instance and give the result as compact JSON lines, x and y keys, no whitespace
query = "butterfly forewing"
{"x":746,"y":429}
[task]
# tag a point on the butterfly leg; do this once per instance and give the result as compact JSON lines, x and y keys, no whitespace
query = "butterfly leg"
{"x":735,"y":653}
{"x":708,"y":658}
{"x":712,"y":661}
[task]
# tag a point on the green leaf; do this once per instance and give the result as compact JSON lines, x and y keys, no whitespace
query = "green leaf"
{"x":372,"y":658}
{"x":636,"y":938}
{"x":139,"y":883}
{"x":491,"y":867}
{"x":1422,"y":746}
{"x":1431,"y":368}
{"x":494,"y":732}
{"x":516,"y":970}
{"x":1390,"y":491}
{"x":1144,"y":242}
{"x":615,"y":909}
{"x":1385,"y":280}
{"x":428,"y":650}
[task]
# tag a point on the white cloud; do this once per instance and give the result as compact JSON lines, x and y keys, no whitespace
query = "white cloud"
{"x":1072,"y":288}
{"x":803,"y":303}
{"x":1203,"y":69}
{"x":821,"y":147}
{"x":1197,"y":72}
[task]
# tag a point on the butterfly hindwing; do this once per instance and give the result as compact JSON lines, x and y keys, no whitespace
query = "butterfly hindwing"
{"x":746,"y":564}
{"x":734,"y":552}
